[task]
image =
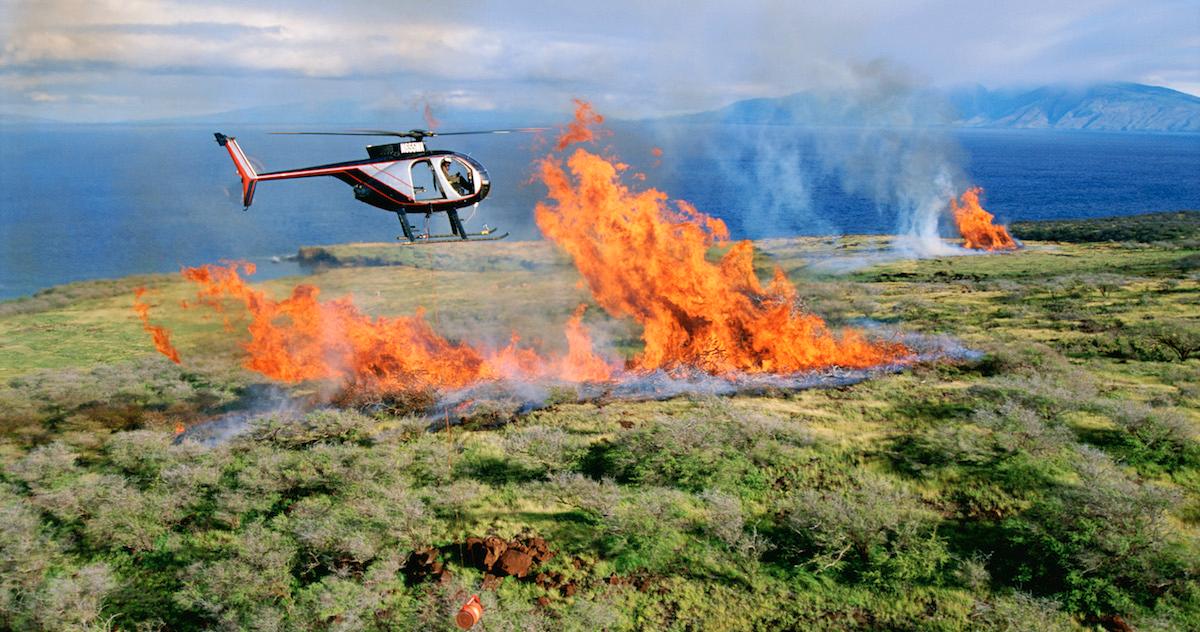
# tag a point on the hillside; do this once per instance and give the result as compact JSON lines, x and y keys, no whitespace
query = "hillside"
{"x":1048,"y":481}
{"x":1102,"y":107}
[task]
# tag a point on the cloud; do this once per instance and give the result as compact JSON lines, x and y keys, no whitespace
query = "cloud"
{"x":45,"y":97}
{"x":633,"y":57}
{"x":55,"y":35}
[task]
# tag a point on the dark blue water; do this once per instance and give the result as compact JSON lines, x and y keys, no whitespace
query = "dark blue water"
{"x":96,"y":202}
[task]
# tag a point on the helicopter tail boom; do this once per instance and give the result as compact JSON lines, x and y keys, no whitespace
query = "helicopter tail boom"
{"x":244,"y":168}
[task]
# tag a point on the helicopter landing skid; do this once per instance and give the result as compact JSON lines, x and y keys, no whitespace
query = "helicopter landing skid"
{"x":457,"y":234}
{"x":420,"y":240}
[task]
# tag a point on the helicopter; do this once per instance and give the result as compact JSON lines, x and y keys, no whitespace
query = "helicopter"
{"x":405,"y":178}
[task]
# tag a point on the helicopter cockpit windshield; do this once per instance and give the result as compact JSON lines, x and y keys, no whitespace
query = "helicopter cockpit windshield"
{"x":458,"y":175}
{"x":442,"y":178}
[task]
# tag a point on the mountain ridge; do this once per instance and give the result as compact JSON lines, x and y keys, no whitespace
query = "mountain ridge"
{"x":1117,"y":106}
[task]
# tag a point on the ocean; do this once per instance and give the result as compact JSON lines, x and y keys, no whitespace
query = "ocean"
{"x":85,"y":202}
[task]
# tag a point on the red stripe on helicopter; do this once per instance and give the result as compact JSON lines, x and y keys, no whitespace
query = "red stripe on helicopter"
{"x":410,"y":203}
{"x":368,"y":185}
{"x":392,"y":176}
{"x":282,"y":175}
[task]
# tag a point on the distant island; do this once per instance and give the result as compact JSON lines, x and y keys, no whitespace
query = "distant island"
{"x":1100,"y":107}
{"x":1107,"y":107}
{"x":1128,"y":107}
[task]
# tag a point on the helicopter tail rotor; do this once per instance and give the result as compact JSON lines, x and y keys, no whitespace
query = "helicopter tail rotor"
{"x":245,"y":170}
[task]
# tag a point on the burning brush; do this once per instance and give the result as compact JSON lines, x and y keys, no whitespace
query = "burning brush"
{"x":643,"y":258}
{"x":977,"y":226}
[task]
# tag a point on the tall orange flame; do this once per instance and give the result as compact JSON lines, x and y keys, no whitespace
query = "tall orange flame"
{"x":159,"y":334}
{"x":646,"y":259}
{"x":978,"y":230}
{"x":581,"y":363}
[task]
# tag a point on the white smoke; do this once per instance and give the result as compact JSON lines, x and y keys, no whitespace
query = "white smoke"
{"x":874,"y":132}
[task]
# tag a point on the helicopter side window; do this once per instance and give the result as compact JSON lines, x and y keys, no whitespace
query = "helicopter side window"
{"x":459,"y":176}
{"x":426,"y":186}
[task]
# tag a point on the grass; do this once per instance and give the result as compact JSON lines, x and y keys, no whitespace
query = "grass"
{"x":1054,"y":483}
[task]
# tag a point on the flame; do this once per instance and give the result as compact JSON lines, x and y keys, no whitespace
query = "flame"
{"x":159,"y":334}
{"x":647,"y":259}
{"x":179,"y":428}
{"x":304,"y":338}
{"x":581,"y":363}
{"x":580,"y":130}
{"x":975,"y":224}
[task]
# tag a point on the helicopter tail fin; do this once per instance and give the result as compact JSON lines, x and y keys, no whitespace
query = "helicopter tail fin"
{"x":244,"y":168}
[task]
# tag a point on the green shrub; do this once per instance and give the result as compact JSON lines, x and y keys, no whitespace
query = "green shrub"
{"x":320,"y":426}
{"x":349,"y":531}
{"x":244,"y":581}
{"x":649,"y":532}
{"x":717,"y":447}
{"x":598,"y":500}
{"x":873,"y":530}
{"x":548,"y":449}
{"x":376,"y":600}
{"x":141,"y":454}
{"x":1158,"y":436}
{"x":1020,"y":612}
{"x":28,"y":553}
{"x":1103,"y":544}
{"x":724,"y":519}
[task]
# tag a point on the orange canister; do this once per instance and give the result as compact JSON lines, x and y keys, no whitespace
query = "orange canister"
{"x":470,"y":613}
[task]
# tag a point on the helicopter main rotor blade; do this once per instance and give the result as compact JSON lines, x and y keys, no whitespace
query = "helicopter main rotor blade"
{"x":338,"y":133}
{"x":416,"y":133}
{"x":515,"y":130}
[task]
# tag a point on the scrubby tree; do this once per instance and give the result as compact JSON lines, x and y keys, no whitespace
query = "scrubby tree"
{"x":1181,"y":337}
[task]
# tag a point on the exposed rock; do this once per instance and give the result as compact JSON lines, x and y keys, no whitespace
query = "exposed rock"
{"x":424,"y":564}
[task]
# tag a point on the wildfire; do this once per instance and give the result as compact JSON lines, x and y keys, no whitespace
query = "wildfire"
{"x":975,"y":224}
{"x":159,"y":334}
{"x":642,"y":257}
{"x":645,"y":258}
{"x":303,"y":338}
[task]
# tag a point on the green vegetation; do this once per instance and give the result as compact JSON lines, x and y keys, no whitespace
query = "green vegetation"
{"x":1145,"y":228}
{"x":1051,"y":484}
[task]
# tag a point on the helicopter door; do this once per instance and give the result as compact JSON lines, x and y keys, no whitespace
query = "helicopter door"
{"x":426,"y":185}
{"x":459,"y":178}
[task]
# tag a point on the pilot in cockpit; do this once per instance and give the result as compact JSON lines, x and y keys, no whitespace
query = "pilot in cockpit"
{"x":461,"y":184}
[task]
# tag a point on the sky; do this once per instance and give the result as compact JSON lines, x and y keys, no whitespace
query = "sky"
{"x":116,"y":60}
